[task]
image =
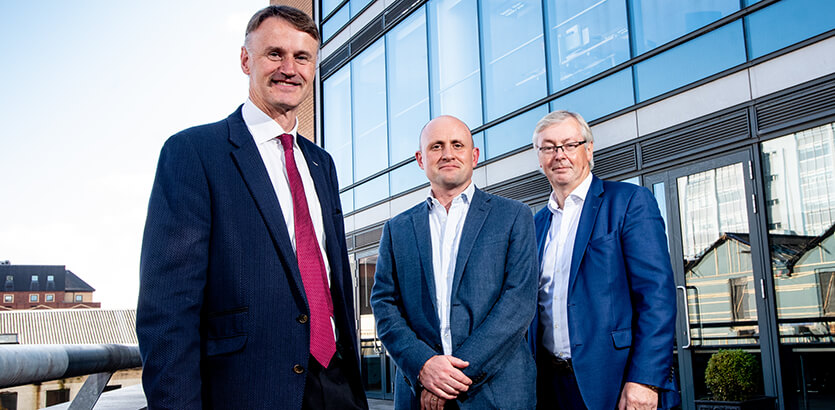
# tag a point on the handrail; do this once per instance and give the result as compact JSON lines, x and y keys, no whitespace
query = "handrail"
{"x":26,"y":364}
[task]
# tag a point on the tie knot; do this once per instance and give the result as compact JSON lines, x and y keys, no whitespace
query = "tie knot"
{"x":286,"y":141}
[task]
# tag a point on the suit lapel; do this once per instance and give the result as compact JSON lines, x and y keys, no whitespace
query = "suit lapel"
{"x":585,"y":226}
{"x":420,"y":221}
{"x":254,"y":173}
{"x":479,"y":208}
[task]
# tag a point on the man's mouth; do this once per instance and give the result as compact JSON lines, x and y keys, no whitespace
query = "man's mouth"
{"x":284,"y":83}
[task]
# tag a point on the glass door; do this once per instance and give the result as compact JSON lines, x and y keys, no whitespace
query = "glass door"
{"x":376,"y":371}
{"x":709,"y":211}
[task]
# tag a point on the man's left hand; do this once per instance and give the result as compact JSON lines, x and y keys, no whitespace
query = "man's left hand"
{"x":429,"y":401}
{"x":637,"y":397}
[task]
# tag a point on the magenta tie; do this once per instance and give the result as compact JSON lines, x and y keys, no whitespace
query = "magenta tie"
{"x":311,"y":265}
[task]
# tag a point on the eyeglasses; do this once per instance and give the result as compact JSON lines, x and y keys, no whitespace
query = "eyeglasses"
{"x":567,"y":148}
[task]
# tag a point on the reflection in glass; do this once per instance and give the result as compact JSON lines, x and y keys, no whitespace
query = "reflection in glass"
{"x":455,"y":72}
{"x":661,"y":199}
{"x":328,"y":6}
{"x":511,"y":134}
{"x":347,"y":200}
{"x":371,"y":191}
{"x":586,"y":37}
{"x":369,"y":108}
{"x":717,"y":257}
{"x":787,"y":22}
{"x":336,"y":95}
{"x":600,"y":98}
{"x":406,"y":177}
{"x":357,"y":6}
{"x":701,"y":57}
{"x":408,"y":88}
{"x":799,"y":177}
{"x":371,"y":347}
{"x":514,"y":55}
{"x":656,"y":22}
{"x":336,"y":22}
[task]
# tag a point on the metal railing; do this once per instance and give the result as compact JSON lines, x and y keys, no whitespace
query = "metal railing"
{"x":25,"y":364}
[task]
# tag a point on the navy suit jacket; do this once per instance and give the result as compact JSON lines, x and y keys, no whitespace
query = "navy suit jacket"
{"x":221,"y":303}
{"x":621,"y":293}
{"x":493,"y":301}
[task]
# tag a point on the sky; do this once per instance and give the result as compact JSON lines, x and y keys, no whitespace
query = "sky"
{"x":89,"y":92}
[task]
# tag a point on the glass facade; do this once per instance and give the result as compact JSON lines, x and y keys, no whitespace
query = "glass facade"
{"x":482,"y":60}
{"x":501,"y":65}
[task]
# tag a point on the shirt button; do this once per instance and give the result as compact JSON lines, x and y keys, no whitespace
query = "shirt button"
{"x":298,"y":369}
{"x":302,"y":319}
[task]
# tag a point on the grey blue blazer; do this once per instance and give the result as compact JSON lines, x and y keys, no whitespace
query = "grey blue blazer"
{"x":493,"y":292}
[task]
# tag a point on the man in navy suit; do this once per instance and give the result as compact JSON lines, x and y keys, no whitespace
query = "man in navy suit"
{"x":455,"y":286}
{"x":603,"y":334}
{"x":246,"y":299}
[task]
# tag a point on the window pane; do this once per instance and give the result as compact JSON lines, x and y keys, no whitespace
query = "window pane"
{"x":701,"y":57}
{"x":586,"y":37}
{"x":513,"y":133}
{"x":336,"y":22}
{"x":369,"y":106}
{"x":788,"y":22}
{"x":750,"y":2}
{"x":347,"y":199}
{"x":357,"y":6}
{"x":372,"y":191}
{"x":514,"y":58}
{"x":408,"y":91}
{"x":407,"y":177}
{"x":656,"y":22}
{"x":328,"y":6}
{"x":336,"y":95}
{"x":599,"y":98}
{"x":453,"y":43}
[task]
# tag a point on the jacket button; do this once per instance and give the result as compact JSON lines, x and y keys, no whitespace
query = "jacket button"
{"x":302,"y":319}
{"x":298,"y":369}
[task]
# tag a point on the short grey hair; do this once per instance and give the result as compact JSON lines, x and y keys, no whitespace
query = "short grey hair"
{"x":558,"y":117}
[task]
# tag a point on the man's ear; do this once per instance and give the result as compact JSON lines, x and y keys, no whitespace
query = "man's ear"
{"x":244,"y":60}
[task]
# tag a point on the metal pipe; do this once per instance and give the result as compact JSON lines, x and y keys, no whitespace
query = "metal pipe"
{"x":26,"y":364}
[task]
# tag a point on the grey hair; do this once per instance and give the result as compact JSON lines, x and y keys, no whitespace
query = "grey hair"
{"x":558,"y":117}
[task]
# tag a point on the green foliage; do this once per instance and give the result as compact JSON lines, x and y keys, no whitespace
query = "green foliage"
{"x":732,"y":375}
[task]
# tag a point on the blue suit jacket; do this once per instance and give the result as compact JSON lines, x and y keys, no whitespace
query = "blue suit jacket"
{"x":493,"y":300}
{"x":221,"y":298}
{"x":621,"y":293}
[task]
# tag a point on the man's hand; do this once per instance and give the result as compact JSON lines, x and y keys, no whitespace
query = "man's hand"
{"x":429,"y":401}
{"x":636,"y":396}
{"x":442,"y":377}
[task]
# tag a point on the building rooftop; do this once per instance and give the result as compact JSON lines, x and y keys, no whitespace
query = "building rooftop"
{"x":70,"y":326}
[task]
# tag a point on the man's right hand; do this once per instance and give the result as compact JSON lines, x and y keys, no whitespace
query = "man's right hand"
{"x":441,"y":376}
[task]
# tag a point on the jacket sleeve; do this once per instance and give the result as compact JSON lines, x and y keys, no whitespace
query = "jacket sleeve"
{"x":408,"y":351}
{"x":652,"y":292}
{"x":173,"y":269}
{"x":492,"y":342}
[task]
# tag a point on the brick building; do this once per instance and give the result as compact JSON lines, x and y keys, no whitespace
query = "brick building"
{"x":43,"y":287}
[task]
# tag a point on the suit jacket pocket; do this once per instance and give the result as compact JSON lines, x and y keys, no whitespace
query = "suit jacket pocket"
{"x":602,"y":239}
{"x":226,"y":331}
{"x":622,"y":338}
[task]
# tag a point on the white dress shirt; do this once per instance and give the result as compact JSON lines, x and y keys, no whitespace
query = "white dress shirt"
{"x":556,"y":268}
{"x":265,"y":131}
{"x":445,"y":228}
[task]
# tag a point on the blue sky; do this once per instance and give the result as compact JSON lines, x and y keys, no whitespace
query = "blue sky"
{"x":89,"y":92}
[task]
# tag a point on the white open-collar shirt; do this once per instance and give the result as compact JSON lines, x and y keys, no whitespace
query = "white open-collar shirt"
{"x":445,"y":228}
{"x":556,"y":268}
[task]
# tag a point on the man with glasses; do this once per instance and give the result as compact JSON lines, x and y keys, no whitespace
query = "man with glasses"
{"x":603,"y":333}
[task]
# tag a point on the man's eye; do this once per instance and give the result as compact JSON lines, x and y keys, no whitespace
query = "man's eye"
{"x":303,"y":59}
{"x":458,"y":146}
{"x":274,"y":56}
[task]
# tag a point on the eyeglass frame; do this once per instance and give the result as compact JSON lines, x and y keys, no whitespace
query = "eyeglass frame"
{"x":554,"y":149}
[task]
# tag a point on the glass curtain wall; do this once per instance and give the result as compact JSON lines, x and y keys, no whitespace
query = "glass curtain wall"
{"x":482,"y":60}
{"x":799,"y":179}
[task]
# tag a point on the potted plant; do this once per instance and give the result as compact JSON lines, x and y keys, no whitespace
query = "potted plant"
{"x":732,"y":376}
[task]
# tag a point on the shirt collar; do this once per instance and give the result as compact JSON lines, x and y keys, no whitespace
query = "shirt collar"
{"x":577,"y":195}
{"x":262,"y":127}
{"x":465,"y":195}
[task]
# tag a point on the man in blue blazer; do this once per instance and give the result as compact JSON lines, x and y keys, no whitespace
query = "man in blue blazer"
{"x":455,"y":286}
{"x":603,"y":334}
{"x":246,"y":298}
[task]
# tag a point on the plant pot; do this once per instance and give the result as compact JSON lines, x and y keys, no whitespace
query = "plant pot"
{"x":754,"y":403}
